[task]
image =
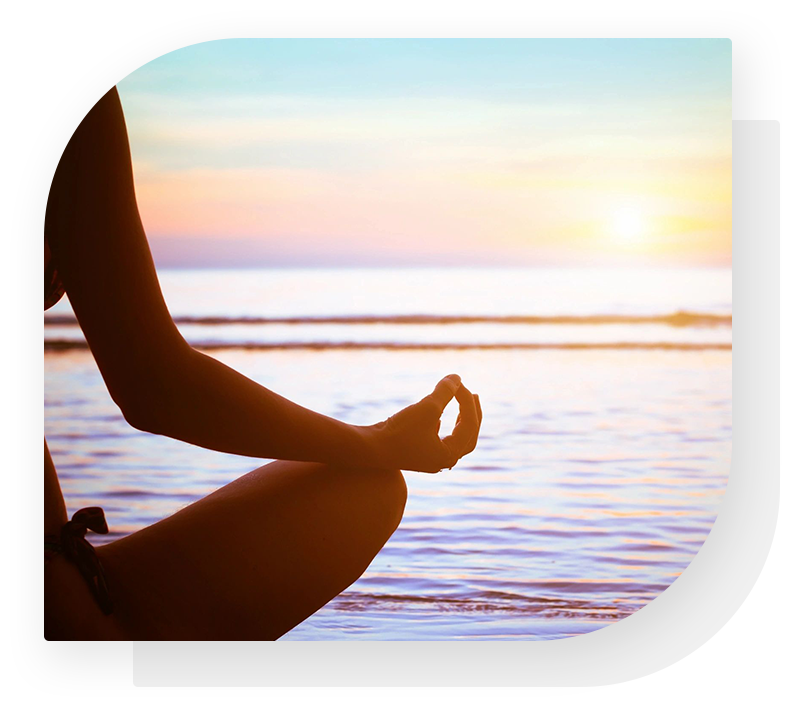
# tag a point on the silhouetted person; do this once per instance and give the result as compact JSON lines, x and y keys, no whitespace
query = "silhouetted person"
{"x":258,"y":556}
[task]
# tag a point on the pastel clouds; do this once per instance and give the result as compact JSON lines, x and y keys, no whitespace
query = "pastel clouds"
{"x":521,"y":177}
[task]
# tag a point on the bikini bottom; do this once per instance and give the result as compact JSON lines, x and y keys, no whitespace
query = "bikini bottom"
{"x":73,"y":545}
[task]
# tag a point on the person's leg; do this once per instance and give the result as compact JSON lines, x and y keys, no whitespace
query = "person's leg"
{"x":70,"y":610}
{"x":255,"y":558}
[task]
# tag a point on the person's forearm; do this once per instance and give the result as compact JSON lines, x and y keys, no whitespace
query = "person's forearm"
{"x":201,"y":401}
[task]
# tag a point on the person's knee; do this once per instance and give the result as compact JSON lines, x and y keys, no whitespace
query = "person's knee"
{"x":394,"y":495}
{"x":381,"y":495}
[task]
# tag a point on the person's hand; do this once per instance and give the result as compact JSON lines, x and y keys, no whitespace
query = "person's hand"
{"x":409,"y":439}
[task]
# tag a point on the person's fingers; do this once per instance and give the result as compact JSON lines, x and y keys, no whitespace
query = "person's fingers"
{"x":451,"y":452}
{"x":473,"y":440}
{"x":444,"y":392}
{"x":465,"y":431}
{"x":474,"y":433}
{"x":468,"y":417}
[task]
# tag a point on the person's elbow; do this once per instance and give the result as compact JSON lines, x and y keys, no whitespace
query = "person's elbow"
{"x":142,"y":406}
{"x":149,"y":400}
{"x":143,"y":409}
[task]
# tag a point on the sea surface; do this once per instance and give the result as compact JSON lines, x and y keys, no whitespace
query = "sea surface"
{"x":604,"y":451}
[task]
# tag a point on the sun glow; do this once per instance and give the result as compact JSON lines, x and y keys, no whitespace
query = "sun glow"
{"x":629,"y":225}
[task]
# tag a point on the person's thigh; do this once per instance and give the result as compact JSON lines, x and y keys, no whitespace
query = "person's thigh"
{"x":257,"y":557}
{"x":70,"y":610}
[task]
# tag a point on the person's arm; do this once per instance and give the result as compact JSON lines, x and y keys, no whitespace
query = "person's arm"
{"x":159,"y":382}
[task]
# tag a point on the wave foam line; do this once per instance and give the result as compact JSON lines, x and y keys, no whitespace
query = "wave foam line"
{"x":67,"y":345}
{"x":681,"y":318}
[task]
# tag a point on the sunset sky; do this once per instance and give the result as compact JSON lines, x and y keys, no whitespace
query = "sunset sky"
{"x":433,"y":152}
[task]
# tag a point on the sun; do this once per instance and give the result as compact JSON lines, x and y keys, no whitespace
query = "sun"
{"x":629,"y":225}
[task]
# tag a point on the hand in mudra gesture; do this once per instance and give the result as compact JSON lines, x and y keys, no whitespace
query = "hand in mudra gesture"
{"x":409,"y":439}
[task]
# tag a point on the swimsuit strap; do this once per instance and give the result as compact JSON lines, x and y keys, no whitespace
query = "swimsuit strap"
{"x":73,"y":545}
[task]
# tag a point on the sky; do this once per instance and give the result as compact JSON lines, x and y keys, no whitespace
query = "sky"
{"x":434,"y":152}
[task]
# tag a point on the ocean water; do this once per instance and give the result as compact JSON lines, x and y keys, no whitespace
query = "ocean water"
{"x":603,"y":457}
